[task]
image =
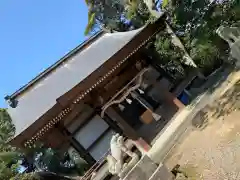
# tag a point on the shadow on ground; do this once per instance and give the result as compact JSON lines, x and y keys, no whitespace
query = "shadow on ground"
{"x":219,"y":109}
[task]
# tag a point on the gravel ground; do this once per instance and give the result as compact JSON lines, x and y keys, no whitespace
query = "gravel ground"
{"x":211,"y":148}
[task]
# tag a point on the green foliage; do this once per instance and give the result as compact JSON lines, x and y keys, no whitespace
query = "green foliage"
{"x":205,"y":54}
{"x":7,"y":130}
{"x":7,"y":154}
{"x":118,"y":15}
{"x":108,"y":15}
{"x":7,"y":172}
{"x":166,"y":49}
{"x":164,"y":3}
{"x":138,"y":14}
{"x":46,"y":159}
{"x":194,"y":22}
{"x":90,"y":25}
{"x":26,"y":176}
{"x":51,"y":160}
{"x":170,"y":56}
{"x":7,"y":157}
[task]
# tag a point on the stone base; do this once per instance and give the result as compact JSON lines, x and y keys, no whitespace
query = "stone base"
{"x":162,"y":173}
{"x":146,"y":169}
{"x":143,"y":170}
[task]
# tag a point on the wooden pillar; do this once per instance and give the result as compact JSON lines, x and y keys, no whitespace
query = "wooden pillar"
{"x":127,"y":129}
{"x":82,"y":151}
{"x":112,"y":124}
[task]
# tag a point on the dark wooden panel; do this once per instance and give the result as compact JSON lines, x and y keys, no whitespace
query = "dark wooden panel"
{"x":127,"y":129}
{"x":119,"y":83}
{"x":55,"y":139}
{"x":73,"y":114}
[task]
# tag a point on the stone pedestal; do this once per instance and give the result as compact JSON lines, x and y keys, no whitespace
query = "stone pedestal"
{"x":146,"y":169}
{"x":162,"y":173}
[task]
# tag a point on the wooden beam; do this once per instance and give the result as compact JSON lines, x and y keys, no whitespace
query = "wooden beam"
{"x":83,"y":152}
{"x":119,"y":83}
{"x":73,"y":114}
{"x":19,"y":140}
{"x":113,"y":124}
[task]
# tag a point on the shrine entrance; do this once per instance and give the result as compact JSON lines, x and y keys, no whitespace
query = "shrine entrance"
{"x":147,"y":105}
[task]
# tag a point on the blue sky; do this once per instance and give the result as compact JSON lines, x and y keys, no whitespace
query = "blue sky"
{"x":33,"y":35}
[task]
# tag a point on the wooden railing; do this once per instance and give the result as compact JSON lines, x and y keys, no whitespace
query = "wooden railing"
{"x":88,"y":175}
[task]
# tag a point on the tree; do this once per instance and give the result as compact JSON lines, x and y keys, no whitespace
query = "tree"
{"x":191,"y":24}
{"x":116,"y":15}
{"x":196,"y":22}
{"x":52,"y":160}
{"x":133,"y":15}
{"x":51,"y":164}
{"x":171,"y":56}
{"x":138,"y":14}
{"x":7,"y":130}
{"x":106,"y":15}
{"x":205,"y":46}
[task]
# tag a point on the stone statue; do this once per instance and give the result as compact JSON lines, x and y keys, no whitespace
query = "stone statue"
{"x":115,"y":160}
{"x":229,"y":34}
{"x":232,"y":36}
